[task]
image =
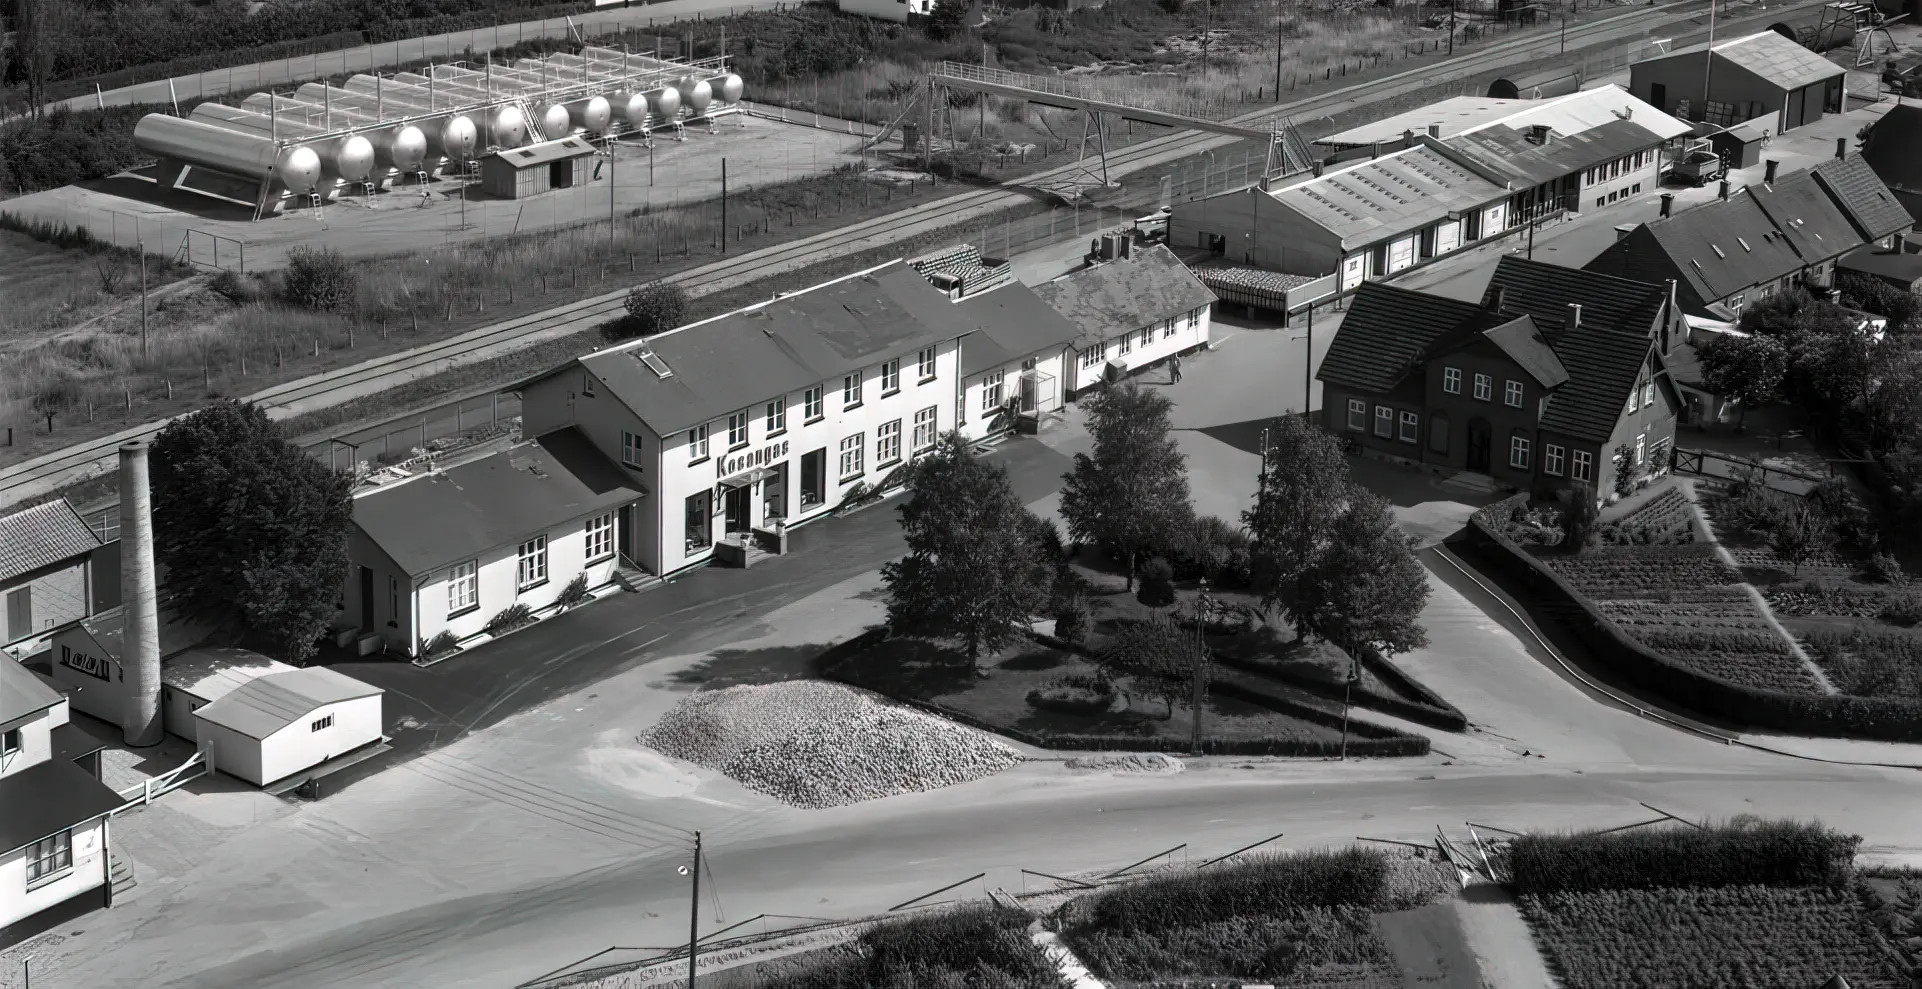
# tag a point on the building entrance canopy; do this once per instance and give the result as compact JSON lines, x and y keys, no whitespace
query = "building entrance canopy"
{"x":747,"y":479}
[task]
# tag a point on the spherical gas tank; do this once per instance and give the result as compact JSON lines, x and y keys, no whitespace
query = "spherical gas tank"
{"x":506,"y":127}
{"x":695,"y":95}
{"x":592,"y":114}
{"x":632,"y":107}
{"x":664,"y":103}
{"x":554,"y":122}
{"x":403,"y":149}
{"x":351,"y":158}
{"x":298,"y":169}
{"x":455,"y":138}
{"x":728,"y":88}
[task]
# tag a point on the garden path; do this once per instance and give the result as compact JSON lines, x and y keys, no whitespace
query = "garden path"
{"x":1500,"y":939}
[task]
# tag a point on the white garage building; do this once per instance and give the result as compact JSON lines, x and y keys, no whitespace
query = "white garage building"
{"x":276,"y":725}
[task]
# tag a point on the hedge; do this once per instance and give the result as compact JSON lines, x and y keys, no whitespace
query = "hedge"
{"x":1769,"y":853}
{"x":1545,"y":593}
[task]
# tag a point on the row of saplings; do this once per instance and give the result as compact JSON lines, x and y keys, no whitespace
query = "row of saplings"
{"x":1745,"y":905}
{"x":1316,"y":546}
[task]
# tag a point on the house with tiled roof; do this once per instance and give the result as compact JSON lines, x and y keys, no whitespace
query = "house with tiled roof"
{"x":46,"y":577}
{"x":1554,"y":377}
{"x":1132,"y":312}
{"x":1762,"y":239}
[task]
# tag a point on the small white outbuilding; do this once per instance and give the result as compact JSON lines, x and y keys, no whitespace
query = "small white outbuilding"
{"x":276,"y":725}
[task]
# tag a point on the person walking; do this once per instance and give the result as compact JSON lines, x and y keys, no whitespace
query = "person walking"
{"x":1174,"y":369}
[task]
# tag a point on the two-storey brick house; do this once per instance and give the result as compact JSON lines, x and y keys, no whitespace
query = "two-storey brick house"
{"x":1537,"y":386}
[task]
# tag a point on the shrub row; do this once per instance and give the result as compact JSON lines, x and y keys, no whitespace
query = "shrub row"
{"x":1763,"y":853}
{"x":1583,"y":625}
{"x":955,"y":947}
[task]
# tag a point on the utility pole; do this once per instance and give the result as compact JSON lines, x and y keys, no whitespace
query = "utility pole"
{"x":1207,"y":32}
{"x":143,"y":299}
{"x":1278,"y":28}
{"x":1347,"y":691}
{"x":694,"y":913}
{"x":1308,"y":369}
{"x":1451,"y":26}
{"x":1708,"y":62}
{"x":613,"y":155}
{"x":724,"y":206}
{"x":1532,"y":222}
{"x":1201,"y":661}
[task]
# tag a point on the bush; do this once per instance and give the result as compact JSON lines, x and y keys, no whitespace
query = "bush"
{"x":68,"y":146}
{"x":652,"y":308}
{"x":1157,"y":584}
{"x":319,"y":278}
{"x":1076,"y":693}
{"x":972,"y":945}
{"x":1903,"y":607}
{"x":1884,"y":568}
{"x":516,"y":615}
{"x":440,"y":643}
{"x":575,"y":593}
{"x":1071,"y":622}
{"x":1047,"y":539}
{"x":1756,"y":853}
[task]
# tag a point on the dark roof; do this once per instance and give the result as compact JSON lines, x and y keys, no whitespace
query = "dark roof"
{"x":1014,"y":323}
{"x":72,"y":741}
{"x":1892,"y":146}
{"x":1507,"y":154}
{"x":456,"y":514}
{"x":1889,"y":265}
{"x":1603,"y":355}
{"x":1815,"y":225}
{"x":21,"y":692}
{"x":1702,"y":249}
{"x":47,"y":799}
{"x":1864,"y":196}
{"x":1524,"y":344}
{"x":265,"y":705}
{"x":775,"y":348}
{"x":1122,"y":296}
{"x":1386,"y":333}
{"x":42,"y":536}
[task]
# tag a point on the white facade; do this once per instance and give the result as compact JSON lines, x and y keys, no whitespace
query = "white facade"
{"x":85,"y":852}
{"x":1137,"y":348}
{"x":58,"y":869}
{"x":326,"y":731}
{"x":1034,"y":384}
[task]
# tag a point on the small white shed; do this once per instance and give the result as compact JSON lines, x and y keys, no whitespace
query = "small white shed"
{"x":198,"y":677}
{"x":276,"y":725}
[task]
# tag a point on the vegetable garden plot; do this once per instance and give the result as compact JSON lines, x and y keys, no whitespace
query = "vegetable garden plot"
{"x":1732,"y":937}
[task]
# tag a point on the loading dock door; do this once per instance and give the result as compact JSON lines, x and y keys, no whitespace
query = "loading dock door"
{"x":560,"y":174}
{"x":1797,"y":105}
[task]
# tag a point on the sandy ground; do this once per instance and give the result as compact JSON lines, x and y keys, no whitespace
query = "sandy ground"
{"x":758,"y":152}
{"x":1504,"y":949}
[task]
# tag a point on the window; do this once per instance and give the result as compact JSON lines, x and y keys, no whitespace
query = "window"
{"x":924,"y":430}
{"x":737,"y":430}
{"x":1635,"y":190}
{"x":1452,"y":380}
{"x":777,"y":417}
{"x":991,"y":390}
{"x":1518,"y":452}
{"x":9,"y":741}
{"x":1438,"y":433}
{"x":1552,"y":459}
{"x":1410,"y":427}
{"x":1582,"y":467}
{"x":1641,"y":449}
{"x":587,"y":386}
{"x":1634,"y":399}
{"x":1484,"y":388}
{"x":851,"y":390}
{"x":1148,"y":332}
{"x":1194,"y":319}
{"x":1384,"y":421}
{"x":700,"y":525}
{"x":1357,"y":414}
{"x":851,"y":448}
{"x":463,"y":587}
{"x":600,"y":538}
{"x":533,"y":563}
{"x":1648,"y":394}
{"x":321,"y":723}
{"x":1094,"y":355}
{"x":811,"y":403}
{"x":924,"y":363}
{"x":630,"y":450}
{"x":697,"y":444}
{"x":891,"y":377}
{"x":49,"y":857}
{"x":1512,"y":394}
{"x":887,"y":443}
{"x":1601,"y":201}
{"x":1127,"y":343}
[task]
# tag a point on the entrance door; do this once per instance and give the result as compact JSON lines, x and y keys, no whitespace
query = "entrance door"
{"x":560,"y":174}
{"x":1027,"y":394}
{"x":624,"y":531}
{"x":1478,"y":444}
{"x":1658,"y":95}
{"x":1798,"y":104}
{"x":737,"y":510}
{"x":366,"y":599}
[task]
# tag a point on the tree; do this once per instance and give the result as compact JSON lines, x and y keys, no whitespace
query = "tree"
{"x":1579,"y":516}
{"x":1132,"y":493}
{"x":971,"y":571}
{"x":1304,"y":486}
{"x":652,"y":308}
{"x":1366,"y":591}
{"x":1832,"y":372}
{"x":1801,"y":534}
{"x":252,"y":531}
{"x":1873,"y":295}
{"x":1747,"y":370}
{"x":948,"y":19}
{"x":319,"y":278}
{"x":1157,"y":657}
{"x":1157,"y":584}
{"x":1778,"y":316}
{"x":1892,"y":402}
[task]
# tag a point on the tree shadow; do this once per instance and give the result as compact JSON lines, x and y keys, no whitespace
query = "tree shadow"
{"x":736,"y":667}
{"x":906,"y":667}
{"x":1033,"y":660}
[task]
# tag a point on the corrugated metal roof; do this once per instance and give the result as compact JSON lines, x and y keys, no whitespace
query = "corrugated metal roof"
{"x":1566,"y":115}
{"x":267,"y":704}
{"x":1396,"y":194}
{"x":210,"y":674}
{"x":1455,"y":116}
{"x":42,"y":536}
{"x":1116,"y":297}
{"x":453,"y":515}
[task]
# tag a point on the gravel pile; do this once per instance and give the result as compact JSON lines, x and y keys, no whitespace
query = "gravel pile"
{"x":1152,"y":763}
{"x":816,"y":744}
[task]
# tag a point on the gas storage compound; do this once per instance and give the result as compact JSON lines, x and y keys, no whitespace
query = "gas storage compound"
{"x":322,"y":140}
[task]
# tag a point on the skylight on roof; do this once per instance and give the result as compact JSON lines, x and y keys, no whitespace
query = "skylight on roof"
{"x":1718,"y":252}
{"x":653,"y":361}
{"x":1744,"y":244}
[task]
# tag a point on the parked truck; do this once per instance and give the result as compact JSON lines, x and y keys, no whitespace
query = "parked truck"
{"x":1698,"y":165}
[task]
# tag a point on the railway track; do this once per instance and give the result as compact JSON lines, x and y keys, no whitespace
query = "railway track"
{"x":54,"y":471}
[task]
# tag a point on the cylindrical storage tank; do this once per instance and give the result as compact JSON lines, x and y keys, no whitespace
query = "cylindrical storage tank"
{"x":506,"y":126}
{"x":453,"y":138}
{"x":727,"y":88}
{"x":140,"y":723}
{"x":592,"y":114}
{"x":664,"y":103}
{"x":553,"y":121}
{"x":402,"y":148}
{"x":349,"y":158}
{"x":632,"y":109}
{"x":695,"y":95}
{"x":196,"y":142}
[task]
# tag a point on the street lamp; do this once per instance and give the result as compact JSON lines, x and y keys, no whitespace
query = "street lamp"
{"x":1347,"y":691}
{"x":1202,"y":605}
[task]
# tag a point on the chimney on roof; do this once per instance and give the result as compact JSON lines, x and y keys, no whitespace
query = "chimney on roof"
{"x":1375,"y":150}
{"x":1668,"y":204}
{"x":1318,"y":167}
{"x":1408,"y":138}
{"x":1768,"y":170}
{"x":1434,"y":131}
{"x":1497,"y":297}
{"x":1540,"y":134}
{"x":1725,"y":190}
{"x":1841,"y":148}
{"x":1574,"y":319}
